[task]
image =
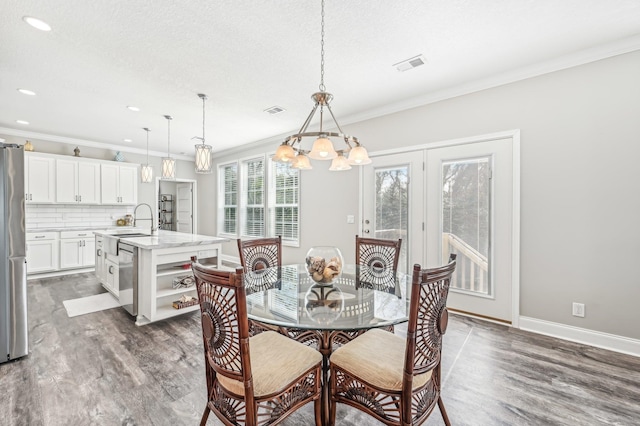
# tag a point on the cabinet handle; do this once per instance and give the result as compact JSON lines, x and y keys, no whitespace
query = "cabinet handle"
{"x":30,"y":197}
{"x":75,"y":198}
{"x":39,"y":236}
{"x":80,"y":198}
{"x":111,"y":270}
{"x":82,"y":235}
{"x":99,"y":252}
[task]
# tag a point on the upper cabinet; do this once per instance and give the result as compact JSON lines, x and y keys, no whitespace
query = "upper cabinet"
{"x":39,"y":179}
{"x":77,"y":181}
{"x":51,"y":178}
{"x":119,"y":184}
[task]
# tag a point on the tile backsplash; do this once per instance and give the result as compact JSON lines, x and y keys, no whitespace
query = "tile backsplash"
{"x":39,"y":216}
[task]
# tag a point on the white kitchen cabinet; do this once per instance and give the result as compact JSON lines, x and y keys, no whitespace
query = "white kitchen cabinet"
{"x":77,"y":181}
{"x":42,"y":252}
{"x":77,"y":249}
{"x":111,"y":277}
{"x":119,"y":184}
{"x":100,"y":259}
{"x":39,"y":179}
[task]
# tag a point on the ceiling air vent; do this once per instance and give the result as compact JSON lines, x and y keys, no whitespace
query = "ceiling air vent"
{"x":274,"y":110}
{"x":410,"y":63}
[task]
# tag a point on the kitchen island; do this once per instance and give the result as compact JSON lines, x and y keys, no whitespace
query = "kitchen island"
{"x":154,"y":271}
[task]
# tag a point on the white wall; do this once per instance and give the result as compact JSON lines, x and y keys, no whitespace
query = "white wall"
{"x":580,"y":186}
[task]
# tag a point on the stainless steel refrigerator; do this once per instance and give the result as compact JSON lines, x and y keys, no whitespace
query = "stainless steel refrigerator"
{"x":13,"y":264}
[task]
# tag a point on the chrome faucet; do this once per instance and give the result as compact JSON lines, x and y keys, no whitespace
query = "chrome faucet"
{"x":135,"y":218}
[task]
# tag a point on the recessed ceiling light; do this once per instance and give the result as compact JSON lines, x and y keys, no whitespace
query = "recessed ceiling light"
{"x":410,"y":63}
{"x":22,"y":122}
{"x":274,"y":110}
{"x":27,"y":92}
{"x":127,"y":140}
{"x":37,"y":23}
{"x":133,"y":108}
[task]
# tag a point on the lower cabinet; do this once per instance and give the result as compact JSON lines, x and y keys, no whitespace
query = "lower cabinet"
{"x":111,"y":276}
{"x":77,"y":249}
{"x":42,"y":252}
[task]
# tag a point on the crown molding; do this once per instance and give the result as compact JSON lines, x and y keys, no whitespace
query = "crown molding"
{"x":83,"y":142}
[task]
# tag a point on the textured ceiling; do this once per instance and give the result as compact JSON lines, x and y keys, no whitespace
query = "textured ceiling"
{"x":249,"y":55}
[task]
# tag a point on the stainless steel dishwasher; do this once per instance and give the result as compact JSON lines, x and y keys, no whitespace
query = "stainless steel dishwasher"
{"x":128,"y":277}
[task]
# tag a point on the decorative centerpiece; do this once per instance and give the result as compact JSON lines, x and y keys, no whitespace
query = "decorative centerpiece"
{"x":324,"y":264}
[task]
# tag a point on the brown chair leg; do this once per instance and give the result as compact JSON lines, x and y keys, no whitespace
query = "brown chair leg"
{"x":317,"y":408}
{"x":205,"y":415}
{"x":443,"y":412}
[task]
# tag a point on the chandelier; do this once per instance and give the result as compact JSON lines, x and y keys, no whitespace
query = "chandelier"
{"x":203,"y":152}
{"x":146,"y":171}
{"x":168,"y":163}
{"x":290,"y":150}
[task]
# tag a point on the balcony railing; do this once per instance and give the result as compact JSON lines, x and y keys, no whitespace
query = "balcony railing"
{"x":472,"y":268}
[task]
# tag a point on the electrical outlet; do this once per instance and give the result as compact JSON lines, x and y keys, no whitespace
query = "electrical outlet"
{"x":578,"y":309}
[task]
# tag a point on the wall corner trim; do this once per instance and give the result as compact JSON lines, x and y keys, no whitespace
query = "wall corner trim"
{"x":585,"y":336}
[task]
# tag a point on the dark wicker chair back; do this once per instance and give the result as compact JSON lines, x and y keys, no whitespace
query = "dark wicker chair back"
{"x":407,"y":393}
{"x":232,"y":384}
{"x":381,"y":260}
{"x":260,"y":253}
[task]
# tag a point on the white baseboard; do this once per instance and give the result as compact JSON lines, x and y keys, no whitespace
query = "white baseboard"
{"x":598,"y":339}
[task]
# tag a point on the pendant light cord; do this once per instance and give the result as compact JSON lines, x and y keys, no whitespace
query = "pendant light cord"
{"x":147,"y":130}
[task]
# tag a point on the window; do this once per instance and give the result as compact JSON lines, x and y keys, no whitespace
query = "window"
{"x":253,"y":198}
{"x":228,"y":178}
{"x":259,"y":198}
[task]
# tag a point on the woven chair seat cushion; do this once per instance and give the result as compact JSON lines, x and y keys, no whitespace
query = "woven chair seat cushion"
{"x":377,"y":357}
{"x":276,"y":362}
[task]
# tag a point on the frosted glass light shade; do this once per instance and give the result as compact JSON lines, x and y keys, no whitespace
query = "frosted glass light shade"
{"x":359,"y":156}
{"x":146,"y":173}
{"x":323,"y":150}
{"x":301,"y":162}
{"x":284,"y":154}
{"x":204,"y":163}
{"x":340,"y":163}
{"x":168,"y":168}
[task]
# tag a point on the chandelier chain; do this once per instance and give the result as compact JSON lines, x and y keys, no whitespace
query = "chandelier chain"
{"x":322,"y":87}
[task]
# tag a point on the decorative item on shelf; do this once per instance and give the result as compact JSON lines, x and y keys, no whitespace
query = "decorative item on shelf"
{"x":119,"y":156}
{"x":323,"y":304}
{"x":322,"y":148}
{"x":120,"y":222}
{"x":128,"y":220}
{"x":146,"y":171}
{"x":203,"y":151}
{"x":76,"y":152}
{"x":183,"y":281}
{"x":324,"y":264}
{"x":168,"y":163}
{"x":185,"y":301}
{"x":28,"y":146}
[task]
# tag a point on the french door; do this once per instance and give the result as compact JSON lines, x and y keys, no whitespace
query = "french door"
{"x":458,"y":199}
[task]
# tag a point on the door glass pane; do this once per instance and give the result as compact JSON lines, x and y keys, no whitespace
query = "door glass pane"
{"x":466,"y":218}
{"x":392,"y":207}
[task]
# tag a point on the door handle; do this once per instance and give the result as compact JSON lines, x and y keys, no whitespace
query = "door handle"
{"x":366,"y":231}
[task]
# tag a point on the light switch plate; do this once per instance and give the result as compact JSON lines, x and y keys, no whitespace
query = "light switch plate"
{"x":351,"y":218}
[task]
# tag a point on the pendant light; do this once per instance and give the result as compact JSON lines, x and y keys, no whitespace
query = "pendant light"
{"x":168,"y":163}
{"x":146,"y":171}
{"x":322,"y":148}
{"x":203,"y":151}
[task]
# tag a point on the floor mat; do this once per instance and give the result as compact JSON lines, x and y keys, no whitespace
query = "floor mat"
{"x":89,"y":304}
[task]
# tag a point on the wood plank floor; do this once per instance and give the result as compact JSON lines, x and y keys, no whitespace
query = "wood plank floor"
{"x":100,"y":369}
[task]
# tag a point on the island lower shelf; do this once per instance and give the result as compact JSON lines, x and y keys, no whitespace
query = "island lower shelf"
{"x":164,"y":276}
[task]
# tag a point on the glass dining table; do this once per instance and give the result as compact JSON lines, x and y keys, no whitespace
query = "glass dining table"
{"x":327,"y":315}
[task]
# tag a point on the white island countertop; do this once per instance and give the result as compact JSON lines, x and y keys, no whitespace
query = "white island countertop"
{"x":165,"y":239}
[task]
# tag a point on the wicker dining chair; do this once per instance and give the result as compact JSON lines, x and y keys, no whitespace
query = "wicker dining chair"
{"x":255,"y":255}
{"x":249,"y":381}
{"x":381,"y":260}
{"x":260,"y":253}
{"x":368,"y":373}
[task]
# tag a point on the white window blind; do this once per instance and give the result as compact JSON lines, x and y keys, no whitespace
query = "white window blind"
{"x":228,"y":175}
{"x":284,"y":197}
{"x":253,"y":197}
